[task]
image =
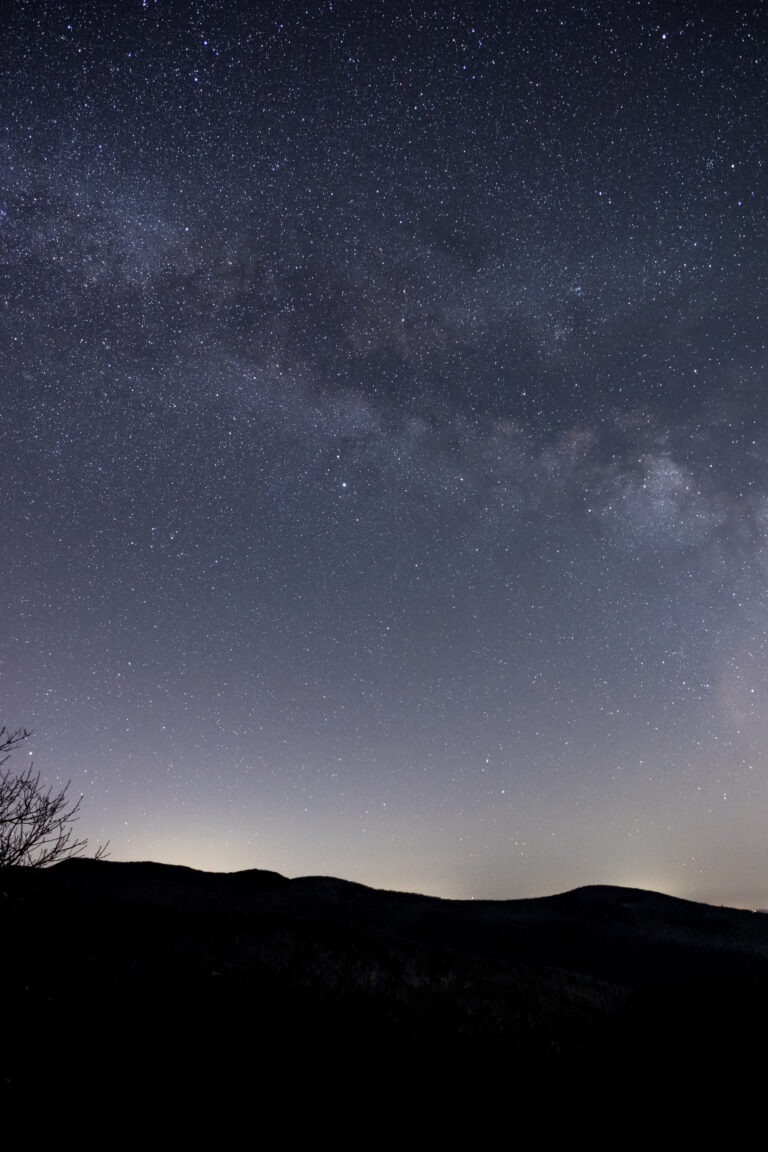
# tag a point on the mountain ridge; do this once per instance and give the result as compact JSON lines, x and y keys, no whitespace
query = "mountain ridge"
{"x":343,"y":983}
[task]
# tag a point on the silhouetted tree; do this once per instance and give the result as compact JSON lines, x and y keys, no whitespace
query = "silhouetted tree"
{"x":35,"y":825}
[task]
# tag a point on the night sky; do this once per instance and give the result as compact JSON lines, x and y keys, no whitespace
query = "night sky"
{"x":385,"y":437}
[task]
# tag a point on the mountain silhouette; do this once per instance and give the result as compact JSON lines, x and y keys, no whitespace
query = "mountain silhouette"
{"x":212,"y":983}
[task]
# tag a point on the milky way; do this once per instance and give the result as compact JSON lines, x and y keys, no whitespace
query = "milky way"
{"x":384,"y":437}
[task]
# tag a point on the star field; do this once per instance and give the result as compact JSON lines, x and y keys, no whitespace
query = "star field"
{"x":384,"y":437}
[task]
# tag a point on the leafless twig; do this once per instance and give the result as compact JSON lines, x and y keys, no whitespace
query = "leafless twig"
{"x":35,"y":824}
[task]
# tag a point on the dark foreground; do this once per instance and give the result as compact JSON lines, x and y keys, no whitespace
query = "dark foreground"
{"x":300,"y":998}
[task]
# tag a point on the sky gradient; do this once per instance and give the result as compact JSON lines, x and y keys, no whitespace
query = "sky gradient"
{"x":384,"y":437}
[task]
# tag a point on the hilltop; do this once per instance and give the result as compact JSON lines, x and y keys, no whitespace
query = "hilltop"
{"x":226,"y":979}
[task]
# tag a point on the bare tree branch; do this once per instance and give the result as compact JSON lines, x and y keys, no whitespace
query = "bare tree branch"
{"x":35,"y":825}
